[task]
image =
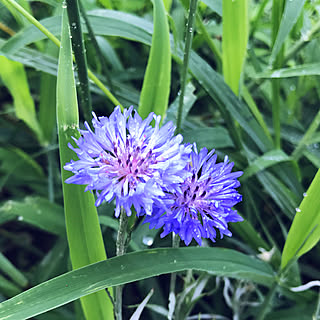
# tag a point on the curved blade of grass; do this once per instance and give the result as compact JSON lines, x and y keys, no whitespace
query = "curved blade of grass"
{"x":214,"y":5}
{"x":291,"y":13}
{"x":10,"y":270}
{"x":133,"y":267}
{"x":234,"y":40}
{"x":15,"y":79}
{"x":83,"y":229}
{"x":37,"y":211}
{"x":156,"y":84}
{"x":265,"y":161}
{"x":312,"y":69}
{"x":306,"y":223}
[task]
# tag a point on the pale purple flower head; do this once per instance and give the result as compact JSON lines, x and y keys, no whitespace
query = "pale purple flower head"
{"x":203,"y":203}
{"x":128,"y":160}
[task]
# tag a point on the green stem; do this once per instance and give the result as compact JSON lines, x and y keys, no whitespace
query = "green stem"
{"x":121,"y":250}
{"x":95,"y":44}
{"x":50,"y":36}
{"x":277,"y":11}
{"x":80,"y":57}
{"x":186,"y":55}
{"x":265,"y":306}
{"x":175,"y":244}
{"x":315,"y":316}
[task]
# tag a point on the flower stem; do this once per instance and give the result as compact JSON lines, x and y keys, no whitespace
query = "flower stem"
{"x":120,"y":250}
{"x":187,"y":49}
{"x":172,"y":298}
{"x":265,"y":306}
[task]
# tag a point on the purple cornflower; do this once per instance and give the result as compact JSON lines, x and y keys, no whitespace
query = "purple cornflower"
{"x":128,"y":160}
{"x":203,"y":203}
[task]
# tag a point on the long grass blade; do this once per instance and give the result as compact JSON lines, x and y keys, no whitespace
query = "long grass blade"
{"x":234,"y":40}
{"x":83,"y":229}
{"x":156,"y":85}
{"x":305,"y":229}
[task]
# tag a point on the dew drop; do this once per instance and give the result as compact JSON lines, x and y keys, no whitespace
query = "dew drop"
{"x":298,"y":210}
{"x":20,"y":218}
{"x":305,"y":194}
{"x":148,"y":241}
{"x":174,"y":261}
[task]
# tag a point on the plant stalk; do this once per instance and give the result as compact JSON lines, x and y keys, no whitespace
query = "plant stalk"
{"x":121,"y":250}
{"x":186,"y":55}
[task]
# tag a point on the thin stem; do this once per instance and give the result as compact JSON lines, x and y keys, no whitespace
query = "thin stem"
{"x":93,"y":40}
{"x":120,"y":250}
{"x":316,"y":314}
{"x":80,"y":57}
{"x":50,"y":36}
{"x":172,"y":295}
{"x":265,"y":306}
{"x":187,"y":49}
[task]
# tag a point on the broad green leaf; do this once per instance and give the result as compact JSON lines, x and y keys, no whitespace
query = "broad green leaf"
{"x":234,"y":40}
{"x":305,"y":229}
{"x":265,"y":161}
{"x":211,"y":138}
{"x":133,"y":267}
{"x":15,"y":79}
{"x":80,"y":213}
{"x":214,"y":5}
{"x":312,"y":69}
{"x":291,"y":13}
{"x":39,"y":212}
{"x":156,"y":84}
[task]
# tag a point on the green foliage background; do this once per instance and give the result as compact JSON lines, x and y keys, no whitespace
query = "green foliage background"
{"x":252,"y":92}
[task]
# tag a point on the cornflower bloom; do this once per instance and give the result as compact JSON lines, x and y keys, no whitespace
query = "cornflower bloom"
{"x":128,"y":160}
{"x":201,"y":204}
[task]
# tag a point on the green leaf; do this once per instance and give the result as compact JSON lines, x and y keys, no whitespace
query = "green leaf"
{"x":312,"y":69}
{"x":80,"y":213}
{"x":211,"y":138}
{"x":133,"y":267}
{"x":156,"y":84}
{"x":36,"y":211}
{"x":15,"y":79}
{"x":234,"y":40}
{"x":265,"y":161}
{"x":291,"y":13}
{"x":214,"y":5}
{"x":305,"y":229}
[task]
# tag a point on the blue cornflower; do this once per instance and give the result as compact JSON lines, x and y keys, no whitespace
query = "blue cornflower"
{"x":203,"y":203}
{"x":128,"y":160}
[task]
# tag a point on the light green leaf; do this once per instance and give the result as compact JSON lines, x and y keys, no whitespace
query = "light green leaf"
{"x":265,"y":161}
{"x":15,"y":79}
{"x":305,"y":229}
{"x":133,"y":267}
{"x":312,"y":69}
{"x":234,"y":40}
{"x":156,"y":84}
{"x":291,"y":13}
{"x":36,"y":211}
{"x":211,"y":138}
{"x":80,"y":213}
{"x":214,"y":5}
